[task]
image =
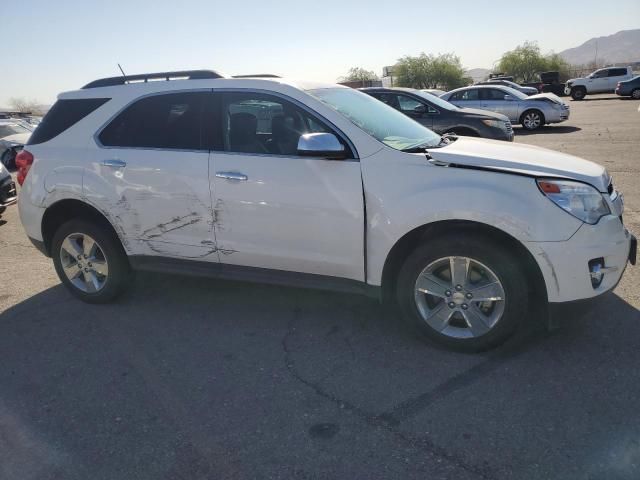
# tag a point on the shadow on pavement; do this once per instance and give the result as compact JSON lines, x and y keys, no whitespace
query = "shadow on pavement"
{"x":547,"y":130}
{"x":196,"y":378}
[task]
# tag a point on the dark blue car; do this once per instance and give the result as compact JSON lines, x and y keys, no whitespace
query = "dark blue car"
{"x":629,"y":88}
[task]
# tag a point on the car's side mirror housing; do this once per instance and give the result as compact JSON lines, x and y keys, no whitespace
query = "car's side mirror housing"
{"x":420,"y":110}
{"x":321,"y":144}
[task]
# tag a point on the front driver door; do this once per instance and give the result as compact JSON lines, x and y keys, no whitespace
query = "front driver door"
{"x":275,"y":209}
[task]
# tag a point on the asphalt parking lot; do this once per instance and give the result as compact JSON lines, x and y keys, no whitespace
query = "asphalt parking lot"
{"x":187,"y":378}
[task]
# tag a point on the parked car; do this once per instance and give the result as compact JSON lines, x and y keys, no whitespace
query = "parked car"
{"x":444,"y":117}
{"x":514,"y":85}
{"x":629,"y":88}
{"x":315,"y":185}
{"x":532,"y":112}
{"x":600,"y":81}
{"x":433,"y":91}
{"x":8,"y":192}
{"x":13,"y":135}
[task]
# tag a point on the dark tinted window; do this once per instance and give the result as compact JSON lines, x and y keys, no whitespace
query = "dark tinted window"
{"x":492,"y":94}
{"x":617,"y":72}
{"x":63,"y":115}
{"x":266,"y":124}
{"x":388,"y":98}
{"x":465,"y":95}
{"x":408,"y":104}
{"x":169,"y":121}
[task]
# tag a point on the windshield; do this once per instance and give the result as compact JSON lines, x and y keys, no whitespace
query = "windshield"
{"x":12,"y":129}
{"x":435,"y":101}
{"x":379,"y":120}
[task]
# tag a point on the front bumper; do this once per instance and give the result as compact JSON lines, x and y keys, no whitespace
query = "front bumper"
{"x":565,"y":265}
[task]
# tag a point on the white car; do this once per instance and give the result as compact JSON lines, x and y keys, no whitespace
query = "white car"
{"x":315,"y":186}
{"x":13,"y":135}
{"x":604,"y":80}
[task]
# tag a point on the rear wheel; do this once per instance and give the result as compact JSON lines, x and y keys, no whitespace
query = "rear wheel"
{"x":635,"y":94}
{"x":578,"y":93}
{"x":465,"y":295}
{"x":532,"y":120}
{"x":90,"y":261}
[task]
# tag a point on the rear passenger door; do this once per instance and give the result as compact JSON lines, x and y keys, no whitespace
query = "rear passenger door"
{"x":275,"y":209}
{"x":150,"y":175}
{"x":494,"y":99}
{"x":616,"y":75}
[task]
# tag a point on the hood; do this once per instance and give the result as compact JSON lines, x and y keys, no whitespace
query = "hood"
{"x":549,"y":96}
{"x":476,"y":112}
{"x":522,"y":159}
{"x":17,"y":138}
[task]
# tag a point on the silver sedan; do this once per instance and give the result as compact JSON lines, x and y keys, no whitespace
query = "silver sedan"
{"x":532,"y":112}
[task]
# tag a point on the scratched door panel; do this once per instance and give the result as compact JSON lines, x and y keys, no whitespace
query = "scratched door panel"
{"x":160,"y":201}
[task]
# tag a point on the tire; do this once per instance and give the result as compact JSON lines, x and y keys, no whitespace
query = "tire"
{"x":635,"y":93}
{"x":578,"y":93}
{"x":488,"y":262}
{"x":532,"y":120}
{"x":103,"y":274}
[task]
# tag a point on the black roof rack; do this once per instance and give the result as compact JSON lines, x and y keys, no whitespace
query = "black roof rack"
{"x":257,"y":75}
{"x":145,"y":77}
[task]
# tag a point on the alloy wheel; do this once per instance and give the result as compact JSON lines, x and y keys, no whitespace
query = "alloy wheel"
{"x":459,"y":297}
{"x":84,"y":262}
{"x":532,"y":120}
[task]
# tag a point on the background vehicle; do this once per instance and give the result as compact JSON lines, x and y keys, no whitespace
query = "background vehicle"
{"x":433,"y":91}
{"x":444,"y":117}
{"x":13,"y":135}
{"x":8,"y":193}
{"x":629,"y":88}
{"x":314,"y":185}
{"x":507,"y":83}
{"x":600,"y":81}
{"x":532,"y":112}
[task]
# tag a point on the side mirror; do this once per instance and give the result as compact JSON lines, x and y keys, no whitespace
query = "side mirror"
{"x":420,"y":110}
{"x":508,"y":97}
{"x":321,"y":145}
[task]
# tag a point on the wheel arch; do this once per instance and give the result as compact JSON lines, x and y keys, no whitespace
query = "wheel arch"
{"x":407,"y":243}
{"x":64,"y":210}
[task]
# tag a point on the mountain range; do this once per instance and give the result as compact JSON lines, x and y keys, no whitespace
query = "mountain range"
{"x":623,"y":46}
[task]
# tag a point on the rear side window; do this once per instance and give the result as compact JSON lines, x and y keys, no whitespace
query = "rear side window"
{"x":167,"y":121}
{"x":63,"y":115}
{"x":617,"y":72}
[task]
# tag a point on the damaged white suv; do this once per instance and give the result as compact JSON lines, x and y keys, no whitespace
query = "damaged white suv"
{"x":314,"y":186}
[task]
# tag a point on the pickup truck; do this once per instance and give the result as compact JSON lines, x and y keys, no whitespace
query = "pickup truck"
{"x":600,"y":81}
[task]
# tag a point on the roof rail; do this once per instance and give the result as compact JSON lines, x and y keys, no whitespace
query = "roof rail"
{"x":257,"y":75}
{"x":145,"y":77}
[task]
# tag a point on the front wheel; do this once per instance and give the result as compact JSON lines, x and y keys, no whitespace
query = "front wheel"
{"x":532,"y":120}
{"x":90,"y":261}
{"x":635,"y":94}
{"x":465,"y":295}
{"x":578,"y":93}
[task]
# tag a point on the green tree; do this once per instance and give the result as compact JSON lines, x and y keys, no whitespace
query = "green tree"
{"x":525,"y":62}
{"x":357,"y":74}
{"x":430,"y":71}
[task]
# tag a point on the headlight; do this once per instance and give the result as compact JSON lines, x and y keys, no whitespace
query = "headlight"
{"x":494,"y":123}
{"x":580,"y":200}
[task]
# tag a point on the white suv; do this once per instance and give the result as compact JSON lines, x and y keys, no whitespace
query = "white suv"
{"x":604,"y":80}
{"x":315,"y":186}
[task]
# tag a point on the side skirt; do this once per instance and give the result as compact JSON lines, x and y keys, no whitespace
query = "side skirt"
{"x":252,"y":274}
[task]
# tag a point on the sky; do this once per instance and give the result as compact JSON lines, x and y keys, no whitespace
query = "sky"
{"x":50,"y":46}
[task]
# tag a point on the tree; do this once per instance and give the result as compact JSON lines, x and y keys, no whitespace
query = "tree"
{"x":23,"y":105}
{"x":525,"y":62}
{"x":429,"y":71}
{"x":357,"y":74}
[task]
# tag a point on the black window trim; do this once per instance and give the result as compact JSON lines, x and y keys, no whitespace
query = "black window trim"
{"x":354,"y":153}
{"x":96,"y":136}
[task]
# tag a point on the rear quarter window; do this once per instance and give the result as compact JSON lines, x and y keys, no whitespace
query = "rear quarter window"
{"x":63,"y":115}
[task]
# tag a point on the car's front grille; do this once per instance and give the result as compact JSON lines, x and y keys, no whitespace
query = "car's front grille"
{"x":508,"y":126}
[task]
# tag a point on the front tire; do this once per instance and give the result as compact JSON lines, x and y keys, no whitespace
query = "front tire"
{"x":90,"y":261}
{"x":465,"y":295}
{"x":578,"y":93}
{"x":532,"y":120}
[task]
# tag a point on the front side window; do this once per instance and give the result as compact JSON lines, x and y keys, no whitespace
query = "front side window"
{"x":600,"y":73}
{"x":466,"y":95}
{"x":384,"y":123}
{"x":166,"y":121}
{"x":265,"y":124}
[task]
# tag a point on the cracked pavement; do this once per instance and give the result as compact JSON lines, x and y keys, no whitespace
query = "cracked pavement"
{"x":189,"y":378}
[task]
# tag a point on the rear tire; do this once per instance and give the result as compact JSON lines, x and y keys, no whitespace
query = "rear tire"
{"x":470,"y":325}
{"x":635,"y":94}
{"x":532,"y":120}
{"x":90,"y":261}
{"x":578,"y":93}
